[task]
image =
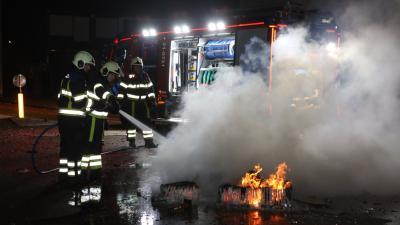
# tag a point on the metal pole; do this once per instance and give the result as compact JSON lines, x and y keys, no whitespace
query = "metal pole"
{"x":1,"y":49}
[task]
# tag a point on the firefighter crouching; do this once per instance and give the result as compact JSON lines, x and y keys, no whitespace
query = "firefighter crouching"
{"x":71,"y":115}
{"x":138,"y":100}
{"x":100,"y":102}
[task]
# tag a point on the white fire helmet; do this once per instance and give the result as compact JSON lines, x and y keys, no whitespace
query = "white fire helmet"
{"x":81,"y":58}
{"x":137,"y":61}
{"x":112,"y":67}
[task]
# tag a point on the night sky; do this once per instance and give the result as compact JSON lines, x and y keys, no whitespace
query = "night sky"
{"x":27,"y":22}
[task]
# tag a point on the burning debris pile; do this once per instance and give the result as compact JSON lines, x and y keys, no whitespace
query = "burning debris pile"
{"x":184,"y":194}
{"x":256,"y":192}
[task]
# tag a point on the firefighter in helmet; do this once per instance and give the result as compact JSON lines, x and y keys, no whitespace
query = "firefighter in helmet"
{"x":113,"y":74}
{"x":100,"y":102}
{"x":138,"y":100}
{"x":71,"y":115}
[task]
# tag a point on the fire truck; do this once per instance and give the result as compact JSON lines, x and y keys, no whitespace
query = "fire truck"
{"x":183,"y":58}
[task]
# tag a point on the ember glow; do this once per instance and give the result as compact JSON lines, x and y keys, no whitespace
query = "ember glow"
{"x":276,"y":182}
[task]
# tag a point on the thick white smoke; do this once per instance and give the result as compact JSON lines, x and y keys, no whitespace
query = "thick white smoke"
{"x":349,"y":145}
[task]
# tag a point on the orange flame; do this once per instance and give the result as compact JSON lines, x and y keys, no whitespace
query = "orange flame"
{"x":252,"y":178}
{"x":276,"y":182}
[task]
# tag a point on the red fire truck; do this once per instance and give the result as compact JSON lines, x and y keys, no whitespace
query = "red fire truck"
{"x":181,"y":59}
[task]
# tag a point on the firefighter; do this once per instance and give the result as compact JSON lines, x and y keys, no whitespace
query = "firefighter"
{"x":100,"y":102}
{"x":138,"y":100}
{"x":71,"y":115}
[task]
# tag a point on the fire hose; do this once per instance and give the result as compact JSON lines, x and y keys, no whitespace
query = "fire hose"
{"x":141,"y":125}
{"x":131,"y":119}
{"x":33,"y":155}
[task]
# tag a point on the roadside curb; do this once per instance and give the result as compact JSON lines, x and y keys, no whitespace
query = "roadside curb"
{"x":27,"y":103}
{"x":32,"y":122}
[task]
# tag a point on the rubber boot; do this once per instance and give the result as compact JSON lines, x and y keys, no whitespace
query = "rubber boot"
{"x":149,"y":143}
{"x":132,"y":143}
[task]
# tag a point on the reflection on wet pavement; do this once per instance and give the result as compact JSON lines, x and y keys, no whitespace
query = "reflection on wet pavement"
{"x":125,"y":197}
{"x":251,"y":218}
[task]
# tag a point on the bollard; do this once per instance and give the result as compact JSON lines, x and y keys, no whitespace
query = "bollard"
{"x":21,"y":114}
{"x":19,"y":81}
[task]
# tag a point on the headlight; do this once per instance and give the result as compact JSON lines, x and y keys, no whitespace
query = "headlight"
{"x":332,"y":49}
{"x":149,"y":32}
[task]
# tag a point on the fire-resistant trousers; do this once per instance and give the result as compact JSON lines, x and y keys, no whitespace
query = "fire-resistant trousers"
{"x":71,"y":144}
{"x":91,"y":159}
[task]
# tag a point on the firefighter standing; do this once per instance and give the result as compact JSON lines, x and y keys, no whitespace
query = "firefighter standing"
{"x":100,"y":102}
{"x":138,"y":100}
{"x":71,"y":115}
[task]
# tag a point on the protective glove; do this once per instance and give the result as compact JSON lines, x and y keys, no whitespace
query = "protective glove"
{"x":112,"y":105}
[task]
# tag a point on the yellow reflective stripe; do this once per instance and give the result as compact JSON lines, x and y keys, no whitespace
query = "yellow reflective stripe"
{"x":137,"y":86}
{"x":135,"y":97}
{"x":147,"y":136}
{"x":80,"y":97}
{"x":97,"y":163}
{"x":92,"y":126}
{"x":95,"y":198}
{"x":95,"y":157}
{"x":59,"y":95}
{"x":66,"y":92}
{"x":63,"y":161}
{"x":63,"y":170}
{"x":85,"y":199}
{"x":131,"y":131}
{"x":132,"y":86}
{"x":85,"y":158}
{"x":143,"y":97}
{"x":71,"y":112}
{"x":95,"y":189}
{"x":98,"y":113}
{"x":120,"y":96}
{"x":123,"y":85}
{"x":151,"y":95}
{"x":92,"y":95}
{"x":147,"y":131}
{"x":106,"y":94}
{"x":97,"y":86}
{"x":69,"y":97}
{"x":89,"y":104}
{"x":72,"y":203}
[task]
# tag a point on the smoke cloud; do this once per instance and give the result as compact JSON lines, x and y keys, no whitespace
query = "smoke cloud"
{"x":348,"y":145}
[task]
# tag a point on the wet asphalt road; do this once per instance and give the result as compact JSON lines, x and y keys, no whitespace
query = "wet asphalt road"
{"x":127,"y":186}
{"x":126,"y":190}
